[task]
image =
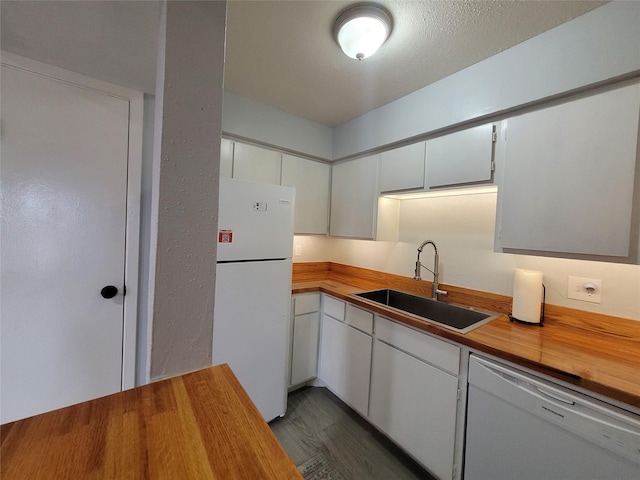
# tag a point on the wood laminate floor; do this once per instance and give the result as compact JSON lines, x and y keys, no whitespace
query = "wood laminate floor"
{"x":329,"y":441}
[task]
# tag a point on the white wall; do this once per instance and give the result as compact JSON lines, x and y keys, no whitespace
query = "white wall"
{"x":312,"y":248}
{"x":188,"y":119}
{"x":243,"y":118}
{"x":463,"y":229}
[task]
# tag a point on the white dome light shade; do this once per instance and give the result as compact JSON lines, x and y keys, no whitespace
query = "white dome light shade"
{"x":362,"y":37}
{"x":361,"y":30}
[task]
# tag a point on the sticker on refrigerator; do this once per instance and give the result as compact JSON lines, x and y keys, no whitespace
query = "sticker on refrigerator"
{"x":225,"y":236}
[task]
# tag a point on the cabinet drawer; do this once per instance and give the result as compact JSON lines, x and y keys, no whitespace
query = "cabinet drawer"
{"x":306,"y":303}
{"x":436,"y":352}
{"x":360,"y":319}
{"x":333,"y":307}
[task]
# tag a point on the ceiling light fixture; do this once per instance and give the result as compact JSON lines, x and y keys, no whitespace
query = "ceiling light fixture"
{"x":361,"y":29}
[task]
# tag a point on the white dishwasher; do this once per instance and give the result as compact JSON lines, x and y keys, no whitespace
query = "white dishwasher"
{"x":521,"y":427}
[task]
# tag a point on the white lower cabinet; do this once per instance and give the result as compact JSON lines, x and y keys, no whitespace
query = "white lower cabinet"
{"x":304,"y":365}
{"x":345,"y":362}
{"x":415,"y":404}
{"x":405,"y":382}
{"x":305,"y":335}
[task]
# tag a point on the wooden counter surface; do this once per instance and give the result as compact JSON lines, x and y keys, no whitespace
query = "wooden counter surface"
{"x":595,"y":352}
{"x":200,"y":425}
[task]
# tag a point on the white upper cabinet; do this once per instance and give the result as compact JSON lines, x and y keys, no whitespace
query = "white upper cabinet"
{"x":226,"y":158}
{"x":354,"y":198}
{"x":402,"y":168}
{"x":311,"y":180}
{"x":256,"y":164}
{"x":464,"y":157}
{"x":569,"y":175}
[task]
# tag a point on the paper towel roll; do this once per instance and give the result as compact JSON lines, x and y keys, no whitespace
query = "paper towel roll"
{"x":527,"y":295}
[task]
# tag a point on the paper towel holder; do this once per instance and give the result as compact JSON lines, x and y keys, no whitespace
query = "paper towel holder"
{"x":514,"y":319}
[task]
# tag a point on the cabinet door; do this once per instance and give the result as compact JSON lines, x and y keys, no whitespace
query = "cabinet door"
{"x":460,"y":158}
{"x":311,"y":180}
{"x":569,"y":176}
{"x":354,"y":198}
{"x":256,"y":164}
{"x":226,"y":158}
{"x":415,"y":405}
{"x":304,"y":352}
{"x":402,"y":168}
{"x":345,"y":362}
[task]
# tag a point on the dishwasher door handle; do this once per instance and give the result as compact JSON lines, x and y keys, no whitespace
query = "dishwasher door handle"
{"x":554,"y":396}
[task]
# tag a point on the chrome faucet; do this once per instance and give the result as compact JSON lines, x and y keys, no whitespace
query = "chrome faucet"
{"x":435,"y":291}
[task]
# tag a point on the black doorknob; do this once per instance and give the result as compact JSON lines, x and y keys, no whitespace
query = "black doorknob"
{"x":109,"y":291}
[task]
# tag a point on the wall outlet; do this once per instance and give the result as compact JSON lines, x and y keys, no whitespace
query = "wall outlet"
{"x":298,"y":250}
{"x":585,"y":289}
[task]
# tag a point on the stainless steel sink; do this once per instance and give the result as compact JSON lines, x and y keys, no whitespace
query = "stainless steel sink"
{"x":458,"y":318}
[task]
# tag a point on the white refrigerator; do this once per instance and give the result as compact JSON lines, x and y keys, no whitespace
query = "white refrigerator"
{"x":253,"y":289}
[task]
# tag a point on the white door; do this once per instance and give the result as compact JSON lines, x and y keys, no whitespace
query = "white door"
{"x":64,"y":187}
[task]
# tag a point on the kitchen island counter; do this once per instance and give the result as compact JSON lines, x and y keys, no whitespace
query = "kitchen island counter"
{"x":200,"y":425}
{"x":598,"y":353}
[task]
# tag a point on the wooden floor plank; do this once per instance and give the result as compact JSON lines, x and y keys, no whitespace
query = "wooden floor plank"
{"x":298,"y":439}
{"x":318,"y":423}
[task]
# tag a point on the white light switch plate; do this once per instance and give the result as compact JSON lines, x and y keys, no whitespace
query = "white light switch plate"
{"x":576,"y":289}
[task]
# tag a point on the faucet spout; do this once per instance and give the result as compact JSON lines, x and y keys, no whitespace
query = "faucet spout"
{"x":436,"y":260}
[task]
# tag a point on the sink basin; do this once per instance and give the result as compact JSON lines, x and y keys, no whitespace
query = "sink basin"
{"x":460,"y":319}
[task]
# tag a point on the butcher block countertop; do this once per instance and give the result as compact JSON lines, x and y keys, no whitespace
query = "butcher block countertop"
{"x":599,"y":353}
{"x":200,"y":425}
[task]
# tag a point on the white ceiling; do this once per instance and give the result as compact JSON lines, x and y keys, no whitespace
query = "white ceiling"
{"x":282,"y":53}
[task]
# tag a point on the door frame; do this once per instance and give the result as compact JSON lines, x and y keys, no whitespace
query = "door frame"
{"x":134,"y":172}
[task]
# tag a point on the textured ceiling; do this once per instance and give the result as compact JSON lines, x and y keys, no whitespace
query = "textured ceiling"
{"x":282,"y":53}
